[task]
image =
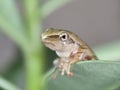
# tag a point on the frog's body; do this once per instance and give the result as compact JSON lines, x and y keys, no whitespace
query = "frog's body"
{"x":68,"y":46}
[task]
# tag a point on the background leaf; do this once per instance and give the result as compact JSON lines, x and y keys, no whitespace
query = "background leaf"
{"x":6,"y":85}
{"x":109,"y":51}
{"x":11,"y":22}
{"x":51,"y":6}
{"x":89,"y":75}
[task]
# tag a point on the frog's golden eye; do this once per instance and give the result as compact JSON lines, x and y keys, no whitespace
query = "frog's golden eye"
{"x":64,"y":36}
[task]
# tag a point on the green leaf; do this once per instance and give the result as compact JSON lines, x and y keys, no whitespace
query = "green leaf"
{"x":10,"y":21}
{"x":9,"y":12}
{"x":89,"y":75}
{"x":109,"y":51}
{"x":51,"y":6}
{"x":6,"y":85}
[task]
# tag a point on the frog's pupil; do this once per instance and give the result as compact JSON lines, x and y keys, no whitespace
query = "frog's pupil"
{"x":64,"y":37}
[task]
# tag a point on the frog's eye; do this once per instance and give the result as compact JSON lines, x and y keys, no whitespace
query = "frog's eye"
{"x":64,"y":36}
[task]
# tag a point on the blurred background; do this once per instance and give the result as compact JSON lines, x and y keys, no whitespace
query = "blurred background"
{"x":97,"y":22}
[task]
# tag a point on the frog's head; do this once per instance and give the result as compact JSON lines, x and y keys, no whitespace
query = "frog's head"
{"x":58,"y":39}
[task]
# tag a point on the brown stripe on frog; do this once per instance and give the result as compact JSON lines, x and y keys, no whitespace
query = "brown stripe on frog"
{"x":53,"y":36}
{"x":90,"y":57}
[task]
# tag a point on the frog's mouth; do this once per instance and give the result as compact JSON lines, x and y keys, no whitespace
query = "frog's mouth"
{"x":50,"y":45}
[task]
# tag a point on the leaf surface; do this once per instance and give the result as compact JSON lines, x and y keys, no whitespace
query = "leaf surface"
{"x":89,"y":75}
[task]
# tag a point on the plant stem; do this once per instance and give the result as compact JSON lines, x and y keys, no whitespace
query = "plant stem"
{"x":34,"y":52}
{"x":34,"y":69}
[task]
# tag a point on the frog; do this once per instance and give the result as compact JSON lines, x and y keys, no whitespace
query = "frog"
{"x":69,"y":48}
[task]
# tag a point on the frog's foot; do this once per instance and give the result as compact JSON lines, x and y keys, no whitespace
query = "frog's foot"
{"x":64,"y":68}
{"x":58,"y":65}
{"x":70,"y":74}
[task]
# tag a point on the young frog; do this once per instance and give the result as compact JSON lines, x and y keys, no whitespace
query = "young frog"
{"x":69,"y":47}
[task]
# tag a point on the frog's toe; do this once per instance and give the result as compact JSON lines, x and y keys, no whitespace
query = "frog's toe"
{"x":70,"y":74}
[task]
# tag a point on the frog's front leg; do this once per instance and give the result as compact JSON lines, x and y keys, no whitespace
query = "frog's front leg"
{"x":64,"y":64}
{"x":75,"y":58}
{"x":59,"y":64}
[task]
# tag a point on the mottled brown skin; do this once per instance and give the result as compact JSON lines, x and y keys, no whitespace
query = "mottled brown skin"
{"x":69,"y":47}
